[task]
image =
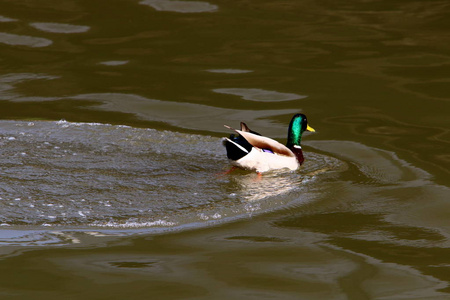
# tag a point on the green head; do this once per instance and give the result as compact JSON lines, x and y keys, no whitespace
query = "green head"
{"x":298,"y":125}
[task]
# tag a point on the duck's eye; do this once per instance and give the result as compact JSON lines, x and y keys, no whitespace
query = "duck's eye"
{"x":304,"y":125}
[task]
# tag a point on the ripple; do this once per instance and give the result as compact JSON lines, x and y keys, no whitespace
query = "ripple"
{"x":80,"y":175}
{"x":180,"y":114}
{"x":60,"y":28}
{"x":24,"y":40}
{"x":114,"y":62}
{"x":8,"y":81}
{"x":229,"y":71}
{"x":188,"y":115}
{"x":28,"y":238}
{"x":181,"y":6}
{"x":259,"y":94}
{"x":6,"y":19}
{"x":379,"y":165}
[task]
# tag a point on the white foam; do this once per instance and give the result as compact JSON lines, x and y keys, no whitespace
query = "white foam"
{"x":133,"y":224}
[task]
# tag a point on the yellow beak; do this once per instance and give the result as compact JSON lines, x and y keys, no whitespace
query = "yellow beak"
{"x":309,"y":128}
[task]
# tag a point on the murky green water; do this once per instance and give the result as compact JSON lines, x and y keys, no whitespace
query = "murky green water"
{"x":110,"y":122}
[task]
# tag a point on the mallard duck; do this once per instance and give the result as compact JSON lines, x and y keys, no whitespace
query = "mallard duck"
{"x":251,"y":151}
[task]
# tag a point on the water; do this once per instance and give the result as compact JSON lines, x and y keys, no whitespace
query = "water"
{"x":83,"y":175}
{"x":111,"y":118}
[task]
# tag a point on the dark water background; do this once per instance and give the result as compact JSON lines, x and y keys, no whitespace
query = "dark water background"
{"x":111,"y":114}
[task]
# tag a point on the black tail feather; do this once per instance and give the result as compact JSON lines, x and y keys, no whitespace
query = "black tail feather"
{"x":237,"y":147}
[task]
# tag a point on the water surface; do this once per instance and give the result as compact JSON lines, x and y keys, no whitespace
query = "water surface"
{"x":110,"y":125}
{"x":82,"y":175}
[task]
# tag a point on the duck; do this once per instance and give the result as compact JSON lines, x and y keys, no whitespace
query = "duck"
{"x":252,"y":151}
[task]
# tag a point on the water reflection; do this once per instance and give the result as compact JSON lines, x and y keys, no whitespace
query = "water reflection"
{"x":259,"y":94}
{"x":24,"y":40}
{"x":381,"y":166}
{"x":386,"y":215}
{"x":114,"y":62}
{"x":408,"y":140}
{"x":180,"y":114}
{"x":60,"y":28}
{"x":377,"y":76}
{"x":4,"y":19}
{"x":181,"y":6}
{"x":185,"y":115}
{"x":8,"y":84}
{"x":230,"y":71}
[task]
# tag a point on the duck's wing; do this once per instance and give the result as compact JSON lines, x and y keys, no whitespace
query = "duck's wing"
{"x":245,"y":128}
{"x":263,"y":142}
